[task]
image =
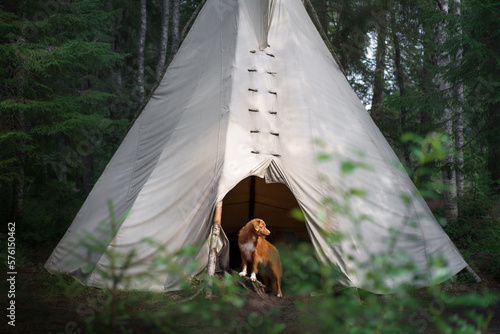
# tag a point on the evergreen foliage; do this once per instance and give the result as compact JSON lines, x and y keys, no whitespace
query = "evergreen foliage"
{"x":68,"y":83}
{"x":56,"y":69}
{"x":68,"y":93}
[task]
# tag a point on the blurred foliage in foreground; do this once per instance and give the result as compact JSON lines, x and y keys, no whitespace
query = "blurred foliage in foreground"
{"x":314,"y":302}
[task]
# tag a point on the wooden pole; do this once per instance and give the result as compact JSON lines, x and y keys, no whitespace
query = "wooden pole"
{"x":212,"y":255}
{"x":251,"y":200}
{"x":325,"y":37}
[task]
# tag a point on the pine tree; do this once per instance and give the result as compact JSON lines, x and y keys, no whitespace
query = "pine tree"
{"x":54,"y":67}
{"x":459,"y":120}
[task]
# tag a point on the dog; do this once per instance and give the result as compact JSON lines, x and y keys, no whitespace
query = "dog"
{"x":256,"y":249}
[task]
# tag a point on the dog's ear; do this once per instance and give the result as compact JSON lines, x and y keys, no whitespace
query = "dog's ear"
{"x":256,"y":224}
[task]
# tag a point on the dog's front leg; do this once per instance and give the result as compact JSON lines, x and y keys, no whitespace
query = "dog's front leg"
{"x":243,"y":264}
{"x":253,"y":277}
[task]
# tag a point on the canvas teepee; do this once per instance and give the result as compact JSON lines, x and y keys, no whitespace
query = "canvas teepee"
{"x":251,"y":91}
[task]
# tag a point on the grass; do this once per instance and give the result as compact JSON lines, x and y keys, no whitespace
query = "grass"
{"x":48,"y":303}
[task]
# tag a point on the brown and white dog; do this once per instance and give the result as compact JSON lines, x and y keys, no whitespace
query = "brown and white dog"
{"x":256,"y":249}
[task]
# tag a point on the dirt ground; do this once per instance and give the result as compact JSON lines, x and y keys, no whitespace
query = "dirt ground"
{"x":44,"y":304}
{"x":289,"y":314}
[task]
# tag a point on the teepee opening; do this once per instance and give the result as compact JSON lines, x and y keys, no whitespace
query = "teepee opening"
{"x":272,"y":202}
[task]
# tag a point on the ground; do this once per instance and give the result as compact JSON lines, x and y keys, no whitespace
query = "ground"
{"x":48,"y":304}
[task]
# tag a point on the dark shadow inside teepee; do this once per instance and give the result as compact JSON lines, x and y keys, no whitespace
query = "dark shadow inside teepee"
{"x":272,"y":202}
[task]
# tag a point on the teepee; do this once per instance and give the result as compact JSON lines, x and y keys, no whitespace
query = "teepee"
{"x":253,"y":91}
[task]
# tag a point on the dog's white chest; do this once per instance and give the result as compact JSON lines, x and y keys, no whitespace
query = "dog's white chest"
{"x":248,"y":248}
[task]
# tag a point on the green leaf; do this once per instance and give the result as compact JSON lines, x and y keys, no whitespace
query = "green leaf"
{"x":298,"y":214}
{"x":323,"y":157}
{"x":348,"y":167}
{"x":357,"y":192}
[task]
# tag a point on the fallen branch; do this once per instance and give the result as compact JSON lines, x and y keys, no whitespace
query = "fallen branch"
{"x":256,"y":286}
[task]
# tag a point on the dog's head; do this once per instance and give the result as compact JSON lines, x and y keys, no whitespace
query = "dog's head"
{"x":260,"y":227}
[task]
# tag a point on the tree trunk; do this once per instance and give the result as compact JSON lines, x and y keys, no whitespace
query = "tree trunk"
{"x":17,"y":212}
{"x":175,"y":24}
{"x":119,"y":108}
{"x":449,"y":179}
{"x":459,"y":122}
{"x":18,"y":193}
{"x":379,"y":81}
{"x":164,"y":39}
{"x":142,"y":44}
{"x":18,"y":186}
{"x":494,"y":146}
{"x":87,"y":175}
{"x":459,"y":143}
{"x":426,"y":123}
{"x":62,"y":172}
{"x":322,"y":10}
{"x":401,"y":83}
{"x":426,"y":82}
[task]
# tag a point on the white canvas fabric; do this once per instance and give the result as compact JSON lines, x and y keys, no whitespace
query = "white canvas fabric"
{"x":251,"y":91}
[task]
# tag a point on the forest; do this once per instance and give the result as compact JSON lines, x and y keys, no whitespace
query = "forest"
{"x":76,"y":73}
